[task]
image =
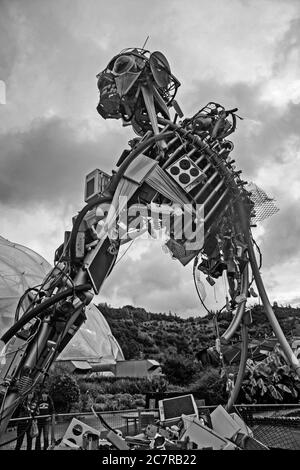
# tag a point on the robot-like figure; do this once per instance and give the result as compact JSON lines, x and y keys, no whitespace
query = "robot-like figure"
{"x":177,"y":176}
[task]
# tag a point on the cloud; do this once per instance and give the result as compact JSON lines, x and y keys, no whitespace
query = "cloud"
{"x":153,"y":280}
{"x":47,"y":163}
{"x":240,"y":53}
{"x":281,"y":239}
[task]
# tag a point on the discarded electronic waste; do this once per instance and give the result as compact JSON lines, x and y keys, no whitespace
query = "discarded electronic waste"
{"x":218,"y":430}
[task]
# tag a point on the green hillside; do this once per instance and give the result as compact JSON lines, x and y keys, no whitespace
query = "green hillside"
{"x":143,"y":334}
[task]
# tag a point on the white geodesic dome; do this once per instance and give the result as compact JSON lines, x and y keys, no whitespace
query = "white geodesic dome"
{"x":20,"y":268}
{"x":93,"y":341}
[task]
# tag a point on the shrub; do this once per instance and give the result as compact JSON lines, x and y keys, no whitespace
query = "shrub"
{"x":179,"y":370}
{"x":211,"y":387}
{"x":139,"y":400}
{"x":270,"y":381}
{"x":64,"y":392}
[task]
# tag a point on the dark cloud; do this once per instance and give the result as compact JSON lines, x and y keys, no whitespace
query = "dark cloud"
{"x":261,"y":137}
{"x":47,"y":164}
{"x":52,"y":52}
{"x":281,"y":239}
{"x":266,"y":144}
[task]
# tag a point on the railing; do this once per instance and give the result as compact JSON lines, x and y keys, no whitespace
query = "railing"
{"x":129,"y":422}
{"x":277,"y":426}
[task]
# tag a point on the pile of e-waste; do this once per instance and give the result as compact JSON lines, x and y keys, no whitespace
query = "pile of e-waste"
{"x":180,"y":426}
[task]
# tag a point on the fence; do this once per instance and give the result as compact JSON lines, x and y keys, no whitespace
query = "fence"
{"x":129,"y":422}
{"x":276,"y":426}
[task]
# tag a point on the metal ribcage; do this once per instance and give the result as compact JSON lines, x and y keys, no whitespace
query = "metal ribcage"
{"x":213,"y":192}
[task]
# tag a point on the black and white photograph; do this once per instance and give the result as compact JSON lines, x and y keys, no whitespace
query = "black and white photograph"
{"x":149,"y":228}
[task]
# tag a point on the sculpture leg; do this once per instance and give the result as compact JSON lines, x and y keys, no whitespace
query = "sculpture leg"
{"x":263,"y":295}
{"x":269,"y":311}
{"x":242,"y":366}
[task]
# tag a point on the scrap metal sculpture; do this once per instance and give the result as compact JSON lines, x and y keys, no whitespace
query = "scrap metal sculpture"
{"x":177,"y":176}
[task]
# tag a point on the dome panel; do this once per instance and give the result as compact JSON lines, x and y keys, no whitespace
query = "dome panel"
{"x":20,"y":268}
{"x":93,"y":341}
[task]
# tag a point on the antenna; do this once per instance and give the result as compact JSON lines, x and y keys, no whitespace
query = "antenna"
{"x":145,"y":42}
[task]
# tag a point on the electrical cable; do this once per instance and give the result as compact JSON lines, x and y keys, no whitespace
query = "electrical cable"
{"x":260,"y":260}
{"x":22,"y":298}
{"x":134,"y":154}
{"x":23,"y":345}
{"x":37,"y":310}
{"x":102,"y":420}
{"x":112,"y":187}
{"x":194,"y":276}
{"x":259,"y":252}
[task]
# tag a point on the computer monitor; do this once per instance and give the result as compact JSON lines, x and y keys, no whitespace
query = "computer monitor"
{"x":95,"y":183}
{"x":171,"y":409}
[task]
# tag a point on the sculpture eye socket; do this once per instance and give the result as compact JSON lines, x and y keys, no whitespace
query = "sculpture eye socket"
{"x":124,"y":64}
{"x":160,"y":69}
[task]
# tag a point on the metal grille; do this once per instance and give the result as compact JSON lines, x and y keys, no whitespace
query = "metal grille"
{"x":264,"y":206}
{"x":273,"y":426}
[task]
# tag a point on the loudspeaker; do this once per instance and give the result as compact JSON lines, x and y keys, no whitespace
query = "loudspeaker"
{"x":186,"y":173}
{"x":75,"y":432}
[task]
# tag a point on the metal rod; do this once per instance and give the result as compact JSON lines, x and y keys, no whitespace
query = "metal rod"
{"x":214,"y":191}
{"x":200,"y":159}
{"x":208,"y":182}
{"x":242,"y":368}
{"x":191,"y":152}
{"x":227,"y":335}
{"x":173,"y":156}
{"x":171,"y":142}
{"x":206,"y":167}
{"x":264,"y":297}
{"x":216,"y":205}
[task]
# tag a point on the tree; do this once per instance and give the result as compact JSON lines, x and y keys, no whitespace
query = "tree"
{"x":179,"y":370}
{"x":64,"y":392}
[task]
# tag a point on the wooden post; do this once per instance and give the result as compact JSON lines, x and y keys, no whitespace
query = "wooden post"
{"x":139,"y":421}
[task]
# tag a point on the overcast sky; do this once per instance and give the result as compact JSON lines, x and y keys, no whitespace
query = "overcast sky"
{"x":241,"y":53}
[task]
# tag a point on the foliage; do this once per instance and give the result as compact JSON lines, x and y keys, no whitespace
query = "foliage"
{"x":270,"y":381}
{"x":117,"y":392}
{"x":143,"y":334}
{"x":120,"y":401}
{"x":174,"y":342}
{"x":179,"y":370}
{"x":210,"y":386}
{"x":111,"y":393}
{"x":64,"y":391}
{"x":157,"y":336}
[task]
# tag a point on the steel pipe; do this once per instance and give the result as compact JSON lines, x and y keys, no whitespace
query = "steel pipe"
{"x":242,"y":367}
{"x":227,"y":335}
{"x":291,"y":357}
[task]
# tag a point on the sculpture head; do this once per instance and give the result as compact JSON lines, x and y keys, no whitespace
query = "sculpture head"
{"x":122,"y":82}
